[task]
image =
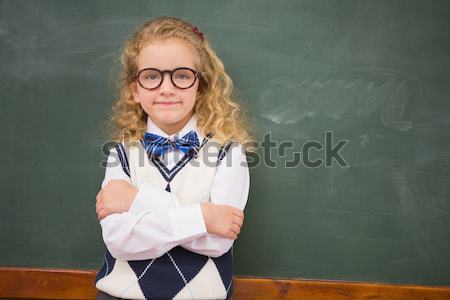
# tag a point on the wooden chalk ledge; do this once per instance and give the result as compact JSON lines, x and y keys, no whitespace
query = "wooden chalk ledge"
{"x":33,"y":283}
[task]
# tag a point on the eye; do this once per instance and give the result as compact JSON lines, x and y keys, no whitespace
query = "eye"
{"x":151,"y":77}
{"x":183,"y":75}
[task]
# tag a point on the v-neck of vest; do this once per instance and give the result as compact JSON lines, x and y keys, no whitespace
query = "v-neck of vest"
{"x":167,"y":173}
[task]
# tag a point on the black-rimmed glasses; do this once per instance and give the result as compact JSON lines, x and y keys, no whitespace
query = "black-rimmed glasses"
{"x":182,"y":78}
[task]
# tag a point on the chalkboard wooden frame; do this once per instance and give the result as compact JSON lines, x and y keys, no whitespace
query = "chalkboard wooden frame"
{"x":34,"y":283}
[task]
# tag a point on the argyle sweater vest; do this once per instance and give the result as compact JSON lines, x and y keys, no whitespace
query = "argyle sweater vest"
{"x":179,"y":273}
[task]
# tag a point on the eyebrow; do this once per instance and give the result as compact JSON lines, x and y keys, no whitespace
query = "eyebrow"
{"x":177,"y":67}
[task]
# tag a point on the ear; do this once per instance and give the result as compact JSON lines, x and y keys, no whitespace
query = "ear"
{"x":134,"y":91}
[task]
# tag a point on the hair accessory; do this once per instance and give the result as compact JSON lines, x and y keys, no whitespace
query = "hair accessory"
{"x":197,"y":31}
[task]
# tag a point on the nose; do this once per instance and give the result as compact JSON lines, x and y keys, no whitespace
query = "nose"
{"x":166,"y":85}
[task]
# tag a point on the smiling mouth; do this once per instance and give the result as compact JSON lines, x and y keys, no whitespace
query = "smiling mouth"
{"x":167,"y":103}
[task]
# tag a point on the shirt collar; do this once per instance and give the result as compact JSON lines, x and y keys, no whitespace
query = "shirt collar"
{"x":190,"y":125}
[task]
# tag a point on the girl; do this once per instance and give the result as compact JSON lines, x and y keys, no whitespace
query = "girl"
{"x":171,"y":204}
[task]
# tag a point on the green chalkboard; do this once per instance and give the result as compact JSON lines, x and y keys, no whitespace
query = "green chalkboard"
{"x":373,"y":74}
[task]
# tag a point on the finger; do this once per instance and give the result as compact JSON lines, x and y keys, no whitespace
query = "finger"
{"x":99,"y":195}
{"x":98,"y":208}
{"x":238,"y":221}
{"x":238,"y":212}
{"x":232,"y":235}
{"x":236,"y":229}
{"x":99,"y":200}
{"x":99,"y":215}
{"x":102,"y":214}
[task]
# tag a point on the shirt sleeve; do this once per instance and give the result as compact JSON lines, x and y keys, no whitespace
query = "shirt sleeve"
{"x":148,"y":233}
{"x":230,"y":187}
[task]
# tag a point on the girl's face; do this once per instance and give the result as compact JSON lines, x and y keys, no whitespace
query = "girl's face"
{"x":169,"y":107}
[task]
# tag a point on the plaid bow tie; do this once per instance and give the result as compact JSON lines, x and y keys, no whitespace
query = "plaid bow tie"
{"x":158,"y":145}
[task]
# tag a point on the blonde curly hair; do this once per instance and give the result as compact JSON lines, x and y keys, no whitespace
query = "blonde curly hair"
{"x":216,"y":110}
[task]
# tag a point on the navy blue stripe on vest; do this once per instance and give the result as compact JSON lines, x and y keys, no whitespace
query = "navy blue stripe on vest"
{"x":108,"y":265}
{"x":225,"y":267}
{"x":170,"y":174}
{"x":223,"y":152}
{"x":168,"y":177}
{"x":123,"y":158}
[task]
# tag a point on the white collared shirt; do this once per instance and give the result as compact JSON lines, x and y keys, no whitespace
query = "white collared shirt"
{"x":155,"y":222}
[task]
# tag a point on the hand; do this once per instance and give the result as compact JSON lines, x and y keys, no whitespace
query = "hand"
{"x":222,"y":220}
{"x":115,"y":197}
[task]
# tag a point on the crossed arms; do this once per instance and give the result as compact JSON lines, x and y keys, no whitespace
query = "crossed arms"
{"x":146,"y":223}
